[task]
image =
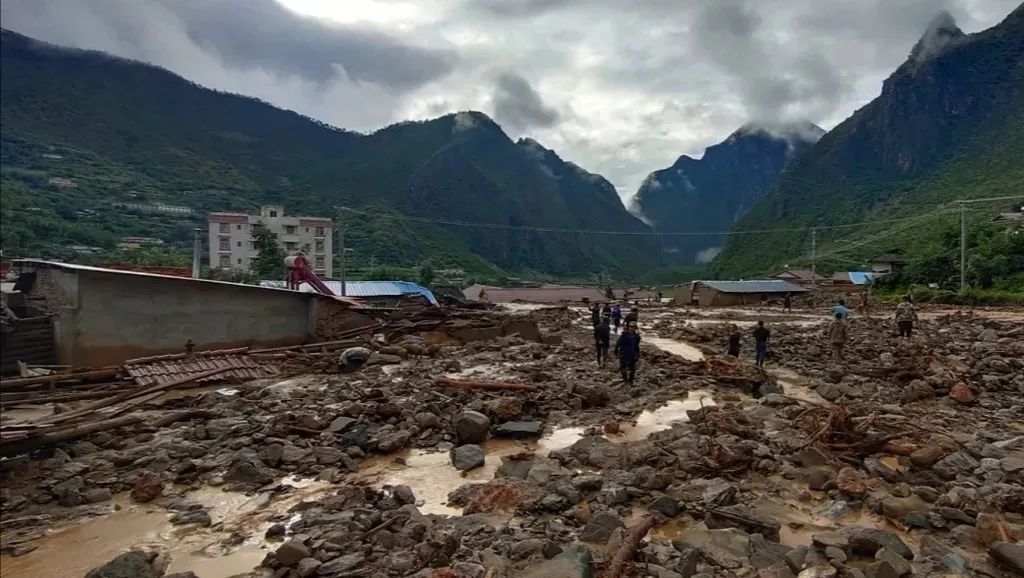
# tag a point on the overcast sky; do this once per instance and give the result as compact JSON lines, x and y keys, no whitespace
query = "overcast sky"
{"x":621,"y":87}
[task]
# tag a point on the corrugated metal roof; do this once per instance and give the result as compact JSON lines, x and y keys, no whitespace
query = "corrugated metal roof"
{"x":365,"y":288}
{"x":755,"y":286}
{"x":168,"y":368}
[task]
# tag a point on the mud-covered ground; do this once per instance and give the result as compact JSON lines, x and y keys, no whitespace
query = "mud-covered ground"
{"x":904,"y":457}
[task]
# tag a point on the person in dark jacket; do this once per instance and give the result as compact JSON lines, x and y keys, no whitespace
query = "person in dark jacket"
{"x":602,"y":340}
{"x":633,"y":316}
{"x":595,"y":314}
{"x":627,"y":347}
{"x":734,"y":343}
{"x":616,"y":317}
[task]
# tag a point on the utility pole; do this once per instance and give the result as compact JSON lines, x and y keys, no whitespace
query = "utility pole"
{"x":814,"y":256}
{"x":963,"y":246}
{"x":197,"y":247}
{"x":341,"y":241}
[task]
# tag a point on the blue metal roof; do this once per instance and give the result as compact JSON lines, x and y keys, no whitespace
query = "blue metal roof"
{"x":860,"y":277}
{"x":754,"y":286}
{"x":367,"y":288}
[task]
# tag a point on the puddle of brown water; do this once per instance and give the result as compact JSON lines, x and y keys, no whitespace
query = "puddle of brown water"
{"x":75,"y":550}
{"x":663,"y":417}
{"x":675,"y":347}
{"x":795,"y":385}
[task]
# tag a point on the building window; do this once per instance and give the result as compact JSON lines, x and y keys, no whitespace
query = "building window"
{"x":319,"y":231}
{"x":319,"y":245}
{"x":239,"y":244}
{"x":239,"y":261}
{"x":238,"y":227}
{"x":225,"y":228}
{"x":273,"y":214}
{"x":252,"y":245}
{"x":289,"y":230}
{"x":225,"y":243}
{"x":307,"y":229}
{"x":291,"y":245}
{"x":319,"y":264}
{"x":225,"y":261}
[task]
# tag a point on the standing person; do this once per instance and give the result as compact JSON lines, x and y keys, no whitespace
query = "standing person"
{"x":616,"y":317}
{"x":606,"y":311}
{"x":840,"y":309}
{"x":905,"y":317}
{"x":734,"y":343}
{"x":627,"y":347}
{"x":761,"y":335}
{"x":863,"y":306}
{"x":787,"y":303}
{"x":838,"y":333}
{"x":595,"y":314}
{"x":633,"y":316}
{"x":602,"y":340}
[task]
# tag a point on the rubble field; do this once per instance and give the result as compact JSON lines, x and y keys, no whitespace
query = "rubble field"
{"x":490,"y":444}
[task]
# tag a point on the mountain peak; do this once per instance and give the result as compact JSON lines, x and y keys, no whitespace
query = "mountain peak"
{"x":788,"y":131}
{"x":942,"y":32}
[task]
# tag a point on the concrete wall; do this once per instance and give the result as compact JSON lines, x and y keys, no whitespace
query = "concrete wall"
{"x":107,"y":317}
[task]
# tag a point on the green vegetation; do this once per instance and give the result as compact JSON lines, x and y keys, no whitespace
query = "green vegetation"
{"x":269,"y":263}
{"x":948,"y":128}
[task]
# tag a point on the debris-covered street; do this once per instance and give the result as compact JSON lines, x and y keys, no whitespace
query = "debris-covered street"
{"x":489,"y":443}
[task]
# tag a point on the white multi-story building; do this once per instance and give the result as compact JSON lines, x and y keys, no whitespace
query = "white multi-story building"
{"x":232,"y":246}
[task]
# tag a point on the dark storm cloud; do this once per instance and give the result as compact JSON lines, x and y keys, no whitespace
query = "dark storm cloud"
{"x":519,"y":106}
{"x":262,"y":33}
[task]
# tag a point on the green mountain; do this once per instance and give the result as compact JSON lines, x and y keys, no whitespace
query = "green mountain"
{"x":90,"y":144}
{"x":948,"y":125}
{"x":712,"y":192}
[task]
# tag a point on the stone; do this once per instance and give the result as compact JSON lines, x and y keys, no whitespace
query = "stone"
{"x":819,"y":571}
{"x":504,"y":408}
{"x":1009,"y":556}
{"x":954,"y":464}
{"x":765,"y":554}
{"x":291,"y":552}
{"x":868,"y":541}
{"x":795,"y":558}
{"x":393,"y":441}
{"x":880,"y":570}
{"x":328,"y":455}
{"x":961,"y":393}
{"x":898,"y":563}
{"x":917,"y":390}
{"x":831,"y":540}
{"x":744,"y":518}
{"x":69,"y":492}
{"x":197,"y":516}
{"x":588,"y":482}
{"x":819,"y":477}
{"x":248,"y":470}
{"x":526,"y":548}
{"x":514,"y":469}
{"x":835,"y":554}
{"x":1012,"y":463}
{"x":147,"y":487}
{"x":550,"y":550}
{"x":851,"y":482}
{"x":777,"y":400}
{"x":519,"y":429}
{"x":427,"y":420}
{"x":926,"y":456}
{"x":293,"y":454}
{"x":96,"y":495}
{"x":276,"y":532}
{"x":830,"y":392}
{"x":898,"y":509}
{"x":467,"y":457}
{"x":132,"y":564}
{"x":812,"y":456}
{"x":553,"y":503}
{"x":271,"y":454}
{"x":341,"y":564}
{"x":340,"y":424}
{"x":600,"y":528}
{"x":687,"y":565}
{"x":666,"y":505}
{"x":307,"y":567}
{"x":727,"y":548}
{"x":593,"y":395}
{"x":403,"y":494}
{"x":471,"y":427}
{"x":575,"y":562}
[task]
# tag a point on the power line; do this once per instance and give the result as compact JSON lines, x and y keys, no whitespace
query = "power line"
{"x":626,"y":233}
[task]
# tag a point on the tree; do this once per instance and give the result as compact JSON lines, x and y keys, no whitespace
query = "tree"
{"x":269,"y":264}
{"x":426,"y":273}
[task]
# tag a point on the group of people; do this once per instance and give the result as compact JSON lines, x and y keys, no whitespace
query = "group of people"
{"x":627,"y":345}
{"x":838,"y":330}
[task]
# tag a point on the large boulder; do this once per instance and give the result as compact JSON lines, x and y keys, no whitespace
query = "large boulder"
{"x":291,"y":553}
{"x":133,"y":564}
{"x":471,"y":427}
{"x":467,"y":457}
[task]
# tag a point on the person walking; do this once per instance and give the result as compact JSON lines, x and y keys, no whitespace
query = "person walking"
{"x":787,"y":303}
{"x":734,"y":343}
{"x":633,"y":316}
{"x":595,"y":314}
{"x":840,"y":309}
{"x":627,"y":347}
{"x":761,"y":336}
{"x":602,"y":340}
{"x":606,"y":311}
{"x":905,"y":317}
{"x":616,"y":317}
{"x":838,"y":333}
{"x":864,"y":305}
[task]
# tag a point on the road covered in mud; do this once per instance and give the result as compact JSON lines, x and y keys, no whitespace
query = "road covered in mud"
{"x":905,"y":457}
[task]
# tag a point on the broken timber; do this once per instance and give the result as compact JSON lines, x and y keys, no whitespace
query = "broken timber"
{"x":630,"y":543}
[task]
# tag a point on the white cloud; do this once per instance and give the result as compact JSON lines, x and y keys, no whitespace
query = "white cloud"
{"x":621,"y":89}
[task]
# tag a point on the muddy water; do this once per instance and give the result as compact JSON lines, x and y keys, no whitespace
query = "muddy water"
{"x":662,"y":418}
{"x":75,"y":550}
{"x":795,"y":385}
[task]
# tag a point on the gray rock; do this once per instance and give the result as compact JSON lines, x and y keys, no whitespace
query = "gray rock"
{"x":727,"y":548}
{"x":1009,"y":556}
{"x":593,"y":395}
{"x":293,"y":454}
{"x":271,"y":454}
{"x":291,"y":552}
{"x":467,"y":457}
{"x":328,"y":455}
{"x":600,"y":528}
{"x":835,"y":554}
{"x":575,"y":562}
{"x":340,"y":424}
{"x":819,"y":477}
{"x":926,"y":456}
{"x":248,"y":470}
{"x":96,"y":495}
{"x":687,"y":565}
{"x":898,"y":563}
{"x":514,"y":469}
{"x":954,"y":464}
{"x":394,"y":441}
{"x":917,"y":390}
{"x":666,"y":505}
{"x":196,"y":516}
{"x":133,"y":564}
{"x":830,"y":391}
{"x":588,"y":482}
{"x":551,"y":550}
{"x":525,"y":549}
{"x":744,"y":518}
{"x":819,"y":571}
{"x":519,"y":429}
{"x":341,"y":564}
{"x":795,"y":558}
{"x":471,"y":427}
{"x":307,"y":567}
{"x":553,"y":503}
{"x":427,"y":420}
{"x":831,"y":539}
{"x":69,"y":492}
{"x":403,"y":494}
{"x":765,"y":554}
{"x":868,"y":541}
